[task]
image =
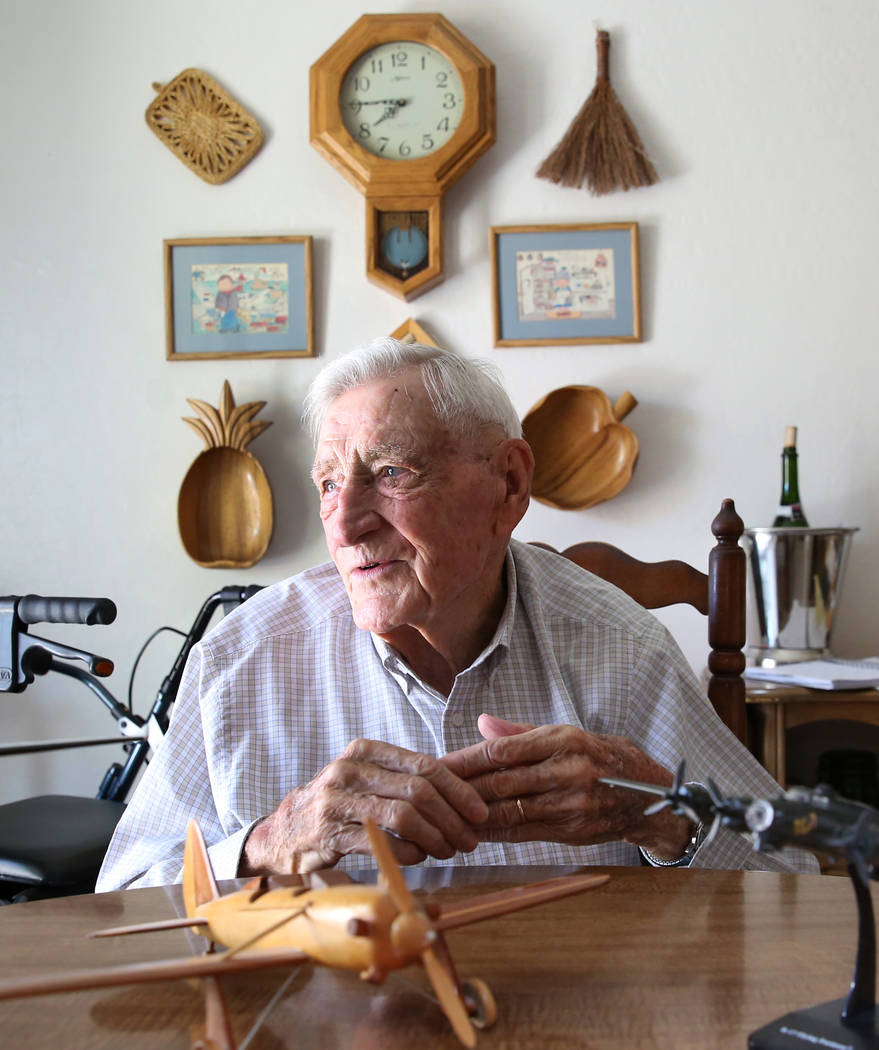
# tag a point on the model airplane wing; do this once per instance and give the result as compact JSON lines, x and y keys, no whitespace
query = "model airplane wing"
{"x":209,"y":965}
{"x":149,"y":927}
{"x":515,"y":899}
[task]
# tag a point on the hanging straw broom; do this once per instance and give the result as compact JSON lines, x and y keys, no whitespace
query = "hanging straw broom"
{"x":601,"y":147}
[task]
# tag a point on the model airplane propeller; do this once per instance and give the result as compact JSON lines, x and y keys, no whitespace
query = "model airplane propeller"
{"x":693,"y":801}
{"x":327,"y":919}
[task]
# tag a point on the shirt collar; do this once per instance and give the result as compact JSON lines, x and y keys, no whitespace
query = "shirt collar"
{"x":403,"y":674}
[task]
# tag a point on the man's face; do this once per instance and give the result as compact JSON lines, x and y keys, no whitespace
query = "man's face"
{"x":410,"y":511}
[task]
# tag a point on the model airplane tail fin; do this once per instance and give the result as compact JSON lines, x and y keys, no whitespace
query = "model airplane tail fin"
{"x":199,"y":884}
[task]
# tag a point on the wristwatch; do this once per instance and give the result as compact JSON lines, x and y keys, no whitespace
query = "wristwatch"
{"x":696,"y":840}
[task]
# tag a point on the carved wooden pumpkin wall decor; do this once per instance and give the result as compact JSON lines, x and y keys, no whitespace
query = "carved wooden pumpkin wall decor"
{"x":583,"y":452}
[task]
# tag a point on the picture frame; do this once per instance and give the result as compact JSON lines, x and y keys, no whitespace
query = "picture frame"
{"x":566,"y":284}
{"x":238,"y":297}
{"x":410,"y":331}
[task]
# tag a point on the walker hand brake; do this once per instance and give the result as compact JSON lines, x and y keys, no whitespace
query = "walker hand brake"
{"x":98,"y":665}
{"x":36,"y":656}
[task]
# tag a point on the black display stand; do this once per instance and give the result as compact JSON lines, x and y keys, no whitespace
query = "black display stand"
{"x":842,"y":1024}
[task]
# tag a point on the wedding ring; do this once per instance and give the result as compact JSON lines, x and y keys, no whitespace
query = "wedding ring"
{"x":521,"y":810}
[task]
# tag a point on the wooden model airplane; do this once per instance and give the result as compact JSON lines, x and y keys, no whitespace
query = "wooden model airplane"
{"x":328,"y":919}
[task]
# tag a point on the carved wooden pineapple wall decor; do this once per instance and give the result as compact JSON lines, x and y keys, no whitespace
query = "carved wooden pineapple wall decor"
{"x":224,"y":510}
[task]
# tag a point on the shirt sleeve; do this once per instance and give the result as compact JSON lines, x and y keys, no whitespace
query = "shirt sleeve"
{"x":147,"y":846}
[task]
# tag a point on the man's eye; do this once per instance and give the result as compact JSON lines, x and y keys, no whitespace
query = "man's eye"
{"x":393,"y":473}
{"x":327,"y":487}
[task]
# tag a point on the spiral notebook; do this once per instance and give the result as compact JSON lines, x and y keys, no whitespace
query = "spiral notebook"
{"x":830,"y":673}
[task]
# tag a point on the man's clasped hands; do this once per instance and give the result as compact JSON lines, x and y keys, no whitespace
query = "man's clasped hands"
{"x":520,"y":783}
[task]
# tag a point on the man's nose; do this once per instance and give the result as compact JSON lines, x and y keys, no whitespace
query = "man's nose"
{"x":356,"y":514}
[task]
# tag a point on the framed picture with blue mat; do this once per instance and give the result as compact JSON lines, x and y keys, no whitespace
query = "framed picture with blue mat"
{"x":561,"y":285}
{"x":239,"y":297}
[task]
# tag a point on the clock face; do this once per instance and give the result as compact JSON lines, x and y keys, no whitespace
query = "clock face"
{"x":401,"y":100}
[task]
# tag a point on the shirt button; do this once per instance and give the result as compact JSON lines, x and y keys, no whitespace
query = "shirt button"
{"x":457,"y":719}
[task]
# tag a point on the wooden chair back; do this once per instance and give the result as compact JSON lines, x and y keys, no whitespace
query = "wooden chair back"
{"x":718,"y":594}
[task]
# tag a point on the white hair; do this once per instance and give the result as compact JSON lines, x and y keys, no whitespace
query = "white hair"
{"x":466,"y":393}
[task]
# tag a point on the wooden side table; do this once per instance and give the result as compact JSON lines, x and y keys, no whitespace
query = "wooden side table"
{"x":773,"y":709}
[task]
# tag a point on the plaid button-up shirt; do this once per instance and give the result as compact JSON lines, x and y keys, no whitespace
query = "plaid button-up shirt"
{"x":280,"y":687}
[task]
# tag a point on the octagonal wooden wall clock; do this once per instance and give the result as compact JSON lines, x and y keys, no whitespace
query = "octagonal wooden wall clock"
{"x":402,"y":105}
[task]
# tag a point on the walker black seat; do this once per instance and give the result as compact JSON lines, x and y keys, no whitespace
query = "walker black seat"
{"x":55,"y":841}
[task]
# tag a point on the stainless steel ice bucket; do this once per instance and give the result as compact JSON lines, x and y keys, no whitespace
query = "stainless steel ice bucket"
{"x":794,"y":580}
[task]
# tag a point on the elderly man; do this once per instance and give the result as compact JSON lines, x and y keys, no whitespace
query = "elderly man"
{"x":464,"y":690}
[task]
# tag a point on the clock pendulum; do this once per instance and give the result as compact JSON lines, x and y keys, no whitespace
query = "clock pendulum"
{"x":402,"y":105}
{"x":403,"y":242}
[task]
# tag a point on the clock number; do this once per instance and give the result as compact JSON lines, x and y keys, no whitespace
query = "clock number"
{"x":442,"y":80}
{"x":449,"y":100}
{"x":427,"y":142}
{"x":376,"y":65}
{"x":383,"y":143}
{"x":361,"y":83}
{"x":399,"y":59}
{"x":354,"y":105}
{"x":405,"y":149}
{"x":443,"y":124}
{"x":364,"y":131}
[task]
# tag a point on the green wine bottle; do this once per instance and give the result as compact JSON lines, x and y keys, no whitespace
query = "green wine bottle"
{"x":790,"y":511}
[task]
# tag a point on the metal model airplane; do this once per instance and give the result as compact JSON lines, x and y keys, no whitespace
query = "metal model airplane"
{"x":814,"y":818}
{"x":330,"y":920}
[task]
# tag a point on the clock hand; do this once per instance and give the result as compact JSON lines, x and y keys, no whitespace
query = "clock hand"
{"x":390,"y":111}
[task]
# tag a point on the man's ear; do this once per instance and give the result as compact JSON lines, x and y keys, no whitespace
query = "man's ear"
{"x":517,"y":464}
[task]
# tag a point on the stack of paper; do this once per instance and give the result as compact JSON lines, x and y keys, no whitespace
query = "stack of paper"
{"x":821,"y":674}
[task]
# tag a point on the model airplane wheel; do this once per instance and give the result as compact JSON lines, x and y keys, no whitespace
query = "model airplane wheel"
{"x":480,"y":1001}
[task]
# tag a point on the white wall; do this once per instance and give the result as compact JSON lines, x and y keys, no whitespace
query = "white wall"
{"x":758,"y":289}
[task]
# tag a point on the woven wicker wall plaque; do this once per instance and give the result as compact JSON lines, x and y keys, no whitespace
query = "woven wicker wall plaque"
{"x":204,"y":126}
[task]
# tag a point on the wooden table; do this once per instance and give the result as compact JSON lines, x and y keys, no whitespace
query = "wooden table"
{"x":655,"y":958}
{"x":773,"y":709}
